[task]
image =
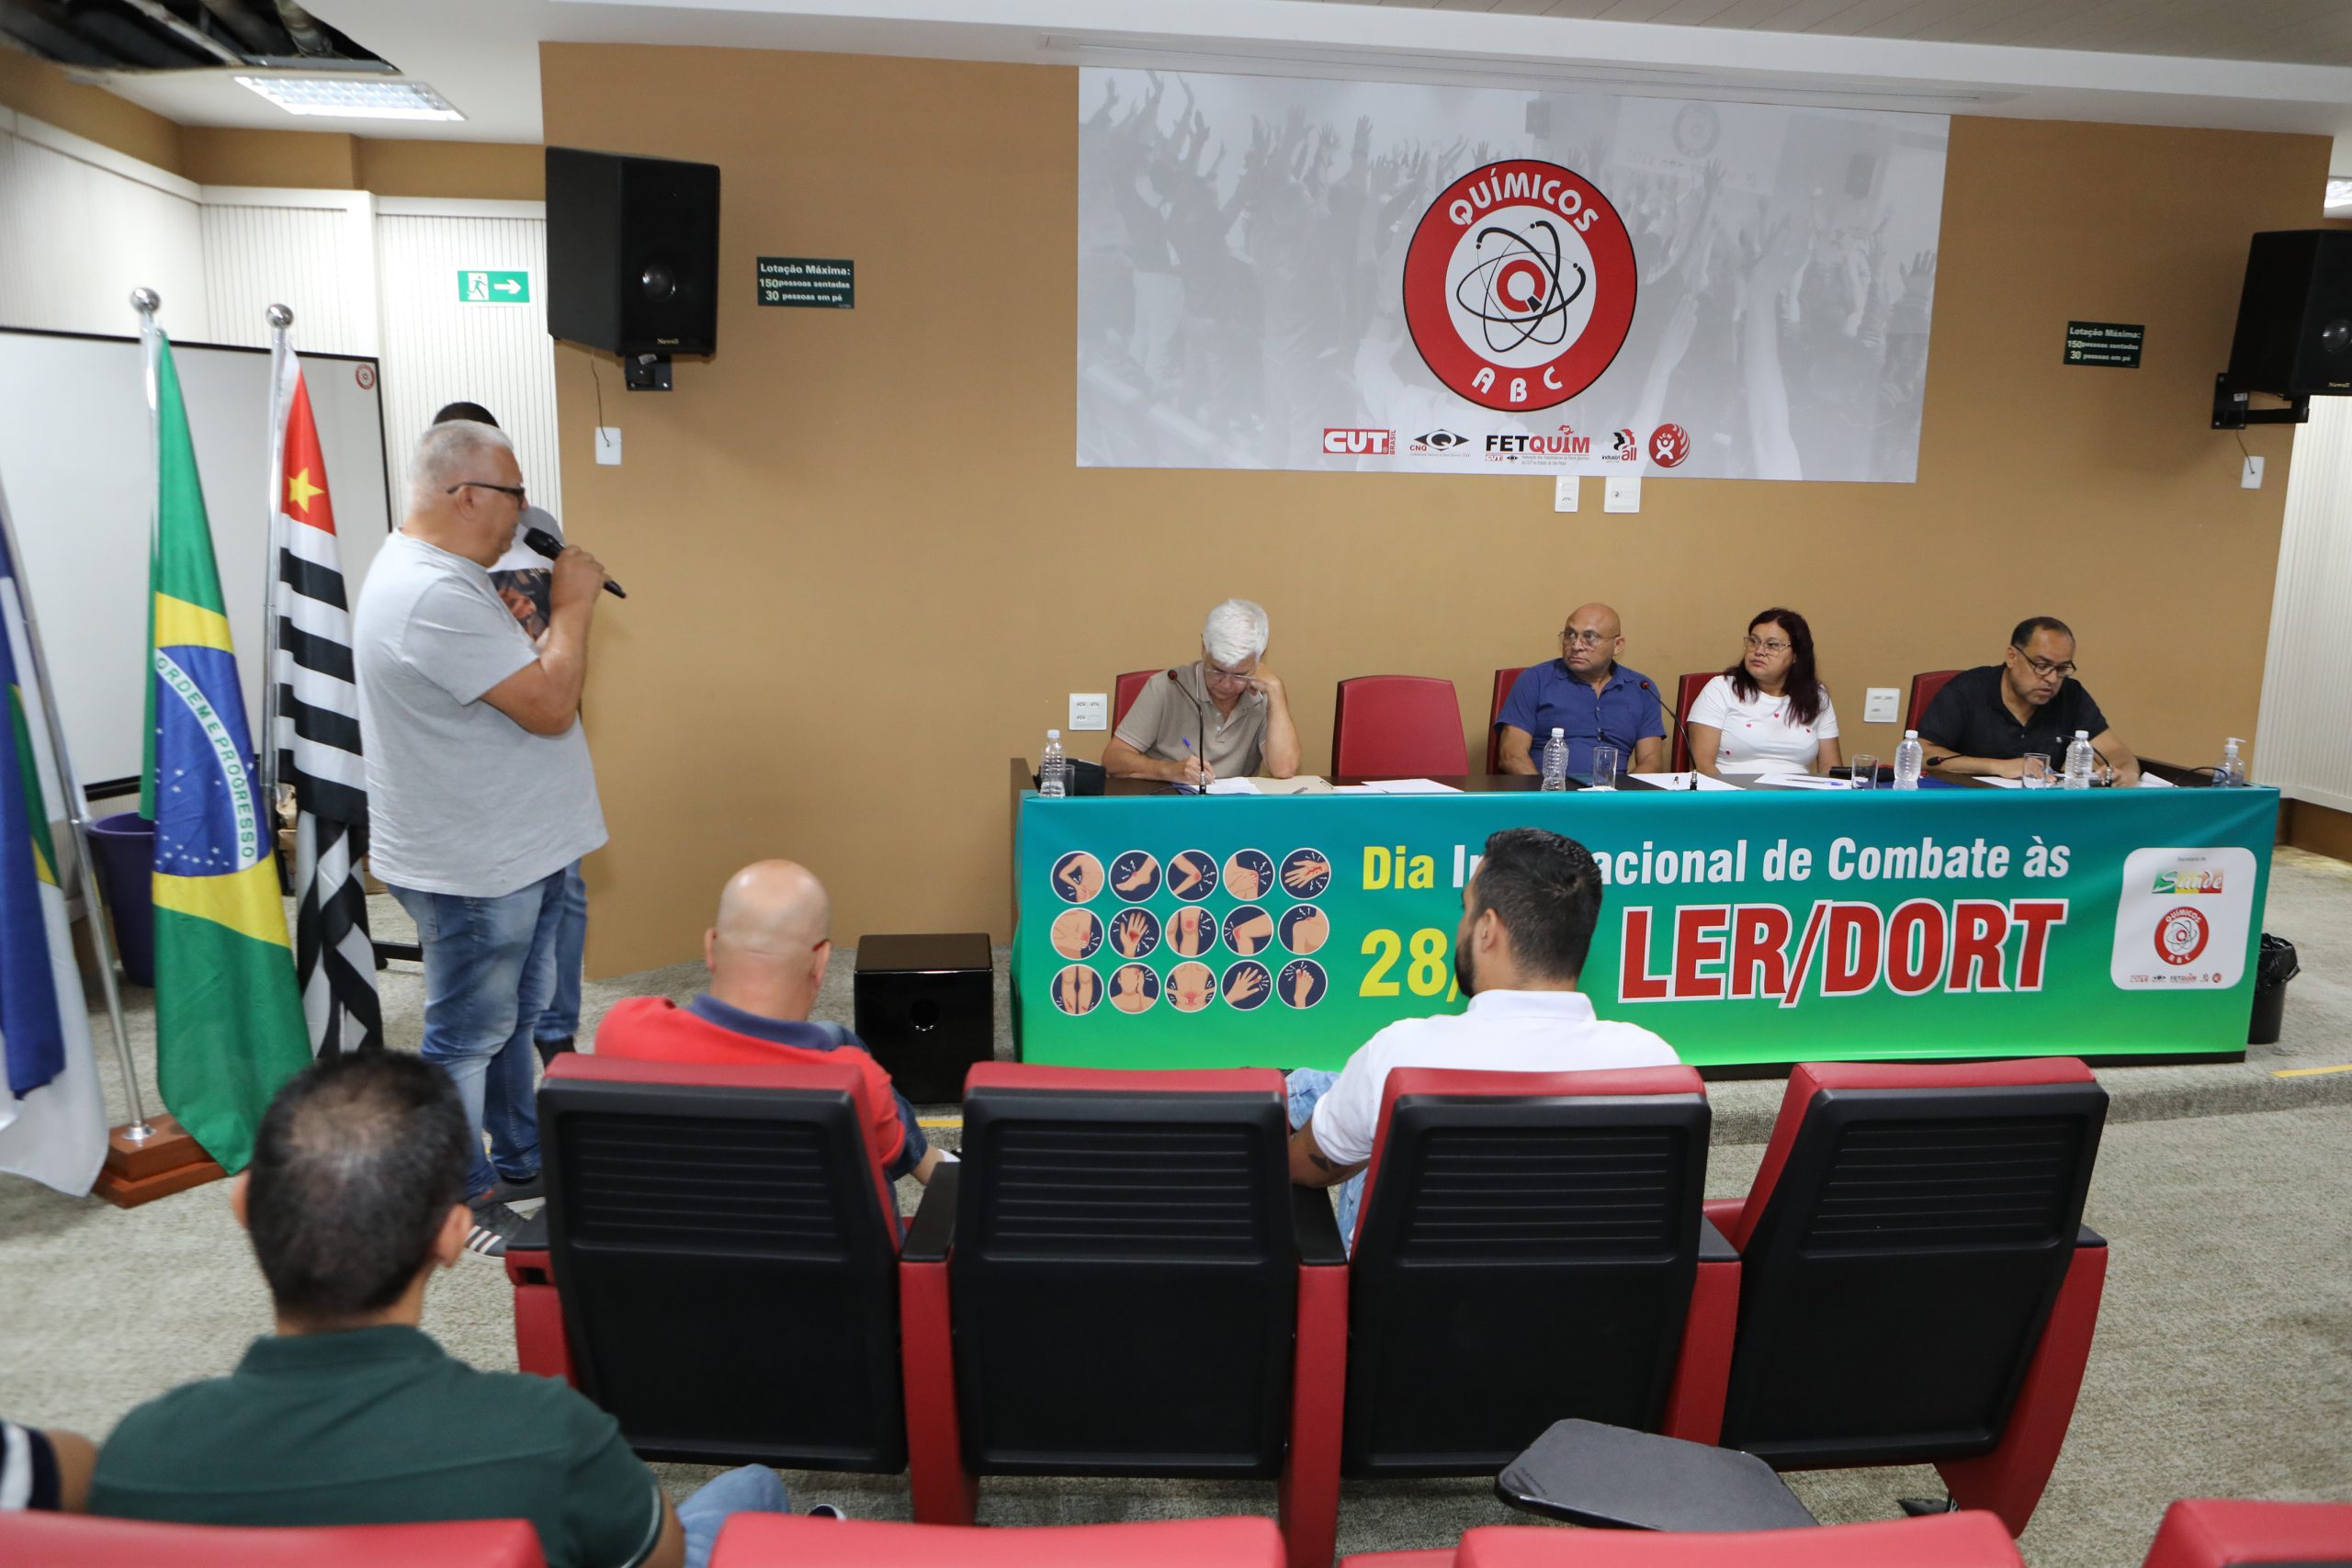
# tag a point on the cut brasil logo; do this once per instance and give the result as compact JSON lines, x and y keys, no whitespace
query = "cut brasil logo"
{"x":1520,"y":285}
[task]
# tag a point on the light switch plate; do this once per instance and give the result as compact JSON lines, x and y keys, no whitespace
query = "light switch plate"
{"x":1877,"y":705}
{"x":1622,"y":493}
{"x":2250,"y":477}
{"x":608,"y":446}
{"x":1089,"y":710}
{"x":1563,"y":493}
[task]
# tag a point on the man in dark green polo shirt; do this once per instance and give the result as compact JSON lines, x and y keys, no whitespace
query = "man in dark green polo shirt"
{"x":350,"y":1414}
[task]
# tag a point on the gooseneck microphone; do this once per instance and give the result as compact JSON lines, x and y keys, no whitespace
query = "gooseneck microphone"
{"x":1674,"y":733}
{"x":541,"y":542}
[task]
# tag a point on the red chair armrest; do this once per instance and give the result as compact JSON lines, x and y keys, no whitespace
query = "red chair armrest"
{"x":1694,"y":1403}
{"x":944,"y":1493}
{"x":541,"y":1346}
{"x":1309,"y":1494}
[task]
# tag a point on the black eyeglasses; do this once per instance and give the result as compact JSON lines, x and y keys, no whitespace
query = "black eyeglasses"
{"x":515,"y":491}
{"x":2047,"y":667}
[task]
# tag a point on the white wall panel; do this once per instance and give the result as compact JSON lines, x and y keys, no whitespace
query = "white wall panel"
{"x":2305,"y":740}
{"x":313,"y":253}
{"x":437,"y":350}
{"x":76,"y":237}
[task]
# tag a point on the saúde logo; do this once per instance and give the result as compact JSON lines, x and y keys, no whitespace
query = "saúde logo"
{"x":1438,"y":441}
{"x":2169,"y":882}
{"x":1669,"y":445}
{"x":1341,"y":443}
{"x":1520,"y":285}
{"x":2180,"y":936}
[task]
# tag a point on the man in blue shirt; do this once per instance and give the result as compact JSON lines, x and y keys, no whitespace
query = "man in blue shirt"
{"x":1589,"y":696}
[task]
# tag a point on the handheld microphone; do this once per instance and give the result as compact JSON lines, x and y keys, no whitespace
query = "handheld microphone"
{"x":541,"y":542}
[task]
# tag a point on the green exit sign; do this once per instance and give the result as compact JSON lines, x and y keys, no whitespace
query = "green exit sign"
{"x":479,"y":288}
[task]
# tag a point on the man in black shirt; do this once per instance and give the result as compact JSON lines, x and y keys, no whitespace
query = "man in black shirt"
{"x":1986,"y":719}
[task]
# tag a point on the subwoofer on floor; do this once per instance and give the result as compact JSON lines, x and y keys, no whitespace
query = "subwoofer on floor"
{"x":926,"y":1007}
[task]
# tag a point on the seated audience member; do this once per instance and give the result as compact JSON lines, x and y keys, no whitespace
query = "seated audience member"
{"x":1168,"y":733}
{"x":1587,"y":694}
{"x":1986,"y":720}
{"x":44,"y":1470}
{"x":767,"y":957}
{"x":350,"y":1414}
{"x":1768,"y":714}
{"x":1527,"y":920}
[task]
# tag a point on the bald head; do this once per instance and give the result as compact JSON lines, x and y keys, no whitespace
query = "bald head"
{"x":1591,"y":640}
{"x":773,"y":939}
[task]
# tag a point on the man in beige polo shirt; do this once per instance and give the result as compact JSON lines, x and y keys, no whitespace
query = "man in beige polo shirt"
{"x":1224,"y":715}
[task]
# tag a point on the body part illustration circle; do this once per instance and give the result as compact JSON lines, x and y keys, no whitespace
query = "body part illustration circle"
{"x":1248,"y":929}
{"x":1246,"y":986}
{"x":1305,"y":928}
{"x":1133,"y":933}
{"x":1133,"y":989}
{"x":1077,"y":933}
{"x":1191,"y":932}
{"x":1191,"y":987}
{"x":1192,"y":874}
{"x":1301,"y":983}
{"x":1249,"y":873}
{"x":1135,"y":876}
{"x":1306,"y":873}
{"x":1077,"y":878}
{"x":1078,"y":990}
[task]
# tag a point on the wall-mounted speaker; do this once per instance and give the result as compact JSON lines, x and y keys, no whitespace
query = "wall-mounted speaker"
{"x":632,"y":253}
{"x":2294,"y":333}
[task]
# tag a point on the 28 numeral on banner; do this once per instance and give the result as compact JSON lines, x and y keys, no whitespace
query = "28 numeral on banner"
{"x":1425,"y":975}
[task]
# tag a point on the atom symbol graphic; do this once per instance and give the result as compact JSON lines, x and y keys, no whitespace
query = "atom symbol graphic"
{"x":1515,"y":294}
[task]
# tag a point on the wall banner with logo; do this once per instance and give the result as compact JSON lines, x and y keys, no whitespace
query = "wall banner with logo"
{"x":1357,"y":276}
{"x":1757,"y":927}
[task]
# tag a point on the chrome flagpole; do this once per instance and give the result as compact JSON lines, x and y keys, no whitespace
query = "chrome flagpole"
{"x":280,"y":317}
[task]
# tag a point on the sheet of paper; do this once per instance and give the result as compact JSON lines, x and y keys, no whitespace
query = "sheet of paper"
{"x":1356,"y":789}
{"x":2002,"y":783}
{"x":1302,"y":784}
{"x":1414,"y":786}
{"x":2150,"y":781}
{"x":1681,"y":781}
{"x":1799,"y":780}
{"x":1233,"y":787}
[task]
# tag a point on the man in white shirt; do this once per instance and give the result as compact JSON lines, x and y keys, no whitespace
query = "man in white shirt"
{"x":1528,"y":913}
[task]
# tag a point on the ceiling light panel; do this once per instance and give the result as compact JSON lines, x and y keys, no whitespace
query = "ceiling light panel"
{"x":339,"y":98}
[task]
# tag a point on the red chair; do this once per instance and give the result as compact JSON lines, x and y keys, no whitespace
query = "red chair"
{"x":1916,"y":1281}
{"x":794,"y":1541}
{"x":1504,"y":680}
{"x":1397,"y":727}
{"x":1497,"y":1199}
{"x":1924,"y":687}
{"x":1127,"y":1283}
{"x":1939,"y":1541}
{"x":699,"y":1219}
{"x":1685,"y":699}
{"x":87,"y":1540}
{"x":2206,"y":1532}
{"x":1125,"y":689}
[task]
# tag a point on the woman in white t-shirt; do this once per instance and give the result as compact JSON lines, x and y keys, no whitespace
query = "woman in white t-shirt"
{"x":1767,"y":714}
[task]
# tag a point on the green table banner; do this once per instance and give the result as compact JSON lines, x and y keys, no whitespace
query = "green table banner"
{"x":1755,"y":926}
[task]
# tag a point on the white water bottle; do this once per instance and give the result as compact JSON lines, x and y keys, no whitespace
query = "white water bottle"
{"x":1555,"y":762}
{"x":2081,"y":761}
{"x":2230,"y":774}
{"x":1053,"y":771}
{"x":1910,"y":757}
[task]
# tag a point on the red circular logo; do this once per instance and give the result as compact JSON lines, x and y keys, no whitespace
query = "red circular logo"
{"x":2180,"y":936}
{"x":1670,"y":444}
{"x":365,"y":375}
{"x":1520,"y":285}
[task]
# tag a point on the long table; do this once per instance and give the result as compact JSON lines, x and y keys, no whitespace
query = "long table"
{"x":1756,"y":926}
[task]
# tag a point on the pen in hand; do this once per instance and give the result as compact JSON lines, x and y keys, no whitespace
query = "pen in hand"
{"x":1201,"y":781}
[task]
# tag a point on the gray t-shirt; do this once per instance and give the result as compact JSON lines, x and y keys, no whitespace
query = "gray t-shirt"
{"x":461,"y":799}
{"x":1171,"y":709}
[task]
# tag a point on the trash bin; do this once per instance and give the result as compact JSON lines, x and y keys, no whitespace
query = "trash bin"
{"x":2272,"y":970}
{"x":123,"y":847}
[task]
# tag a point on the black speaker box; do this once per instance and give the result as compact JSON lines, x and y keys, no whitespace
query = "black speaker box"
{"x":632,"y":253}
{"x":2295,"y":317}
{"x":926,"y":1007}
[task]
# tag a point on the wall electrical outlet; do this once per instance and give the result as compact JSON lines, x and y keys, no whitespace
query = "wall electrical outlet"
{"x":608,"y":446}
{"x":1877,"y":705}
{"x":1089,"y":710}
{"x":1563,"y":493}
{"x":2250,"y":477}
{"x":1622,"y":493}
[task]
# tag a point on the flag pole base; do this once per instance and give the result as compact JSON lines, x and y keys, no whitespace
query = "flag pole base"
{"x":140,"y":1171}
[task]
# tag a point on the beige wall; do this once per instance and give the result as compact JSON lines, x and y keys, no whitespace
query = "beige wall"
{"x":864,"y":569}
{"x":40,"y":89}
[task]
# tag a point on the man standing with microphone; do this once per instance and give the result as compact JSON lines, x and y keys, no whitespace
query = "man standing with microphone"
{"x":465,"y":716}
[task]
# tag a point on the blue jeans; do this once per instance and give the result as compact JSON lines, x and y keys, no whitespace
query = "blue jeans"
{"x":489,"y":970}
{"x":1308,"y":1085}
{"x":753,"y":1489}
{"x":560,"y":1022}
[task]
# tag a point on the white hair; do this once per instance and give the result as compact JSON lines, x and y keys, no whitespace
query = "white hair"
{"x":450,"y":452}
{"x":1235,"y":632}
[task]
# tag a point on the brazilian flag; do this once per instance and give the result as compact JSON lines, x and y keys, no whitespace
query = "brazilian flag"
{"x":229,"y":1026}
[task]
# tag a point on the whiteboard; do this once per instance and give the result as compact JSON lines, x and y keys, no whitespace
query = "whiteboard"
{"x":75,"y":468}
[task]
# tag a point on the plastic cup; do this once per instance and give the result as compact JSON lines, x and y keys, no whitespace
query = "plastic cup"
{"x":2036,"y":772}
{"x":1865,"y":773}
{"x":1604,"y":767}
